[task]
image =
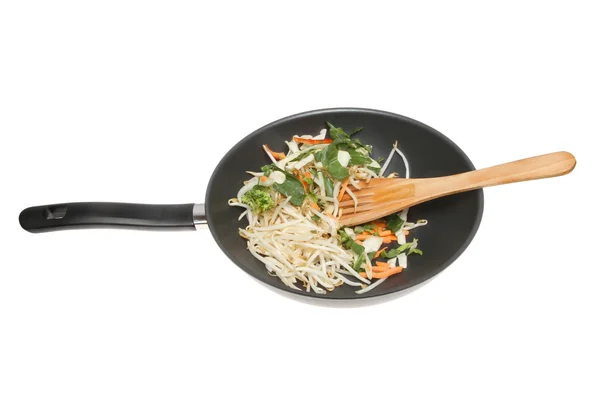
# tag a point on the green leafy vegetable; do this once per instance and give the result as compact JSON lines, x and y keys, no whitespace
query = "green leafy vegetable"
{"x":342,"y":138}
{"x":337,"y":133}
{"x":396,"y":251}
{"x":371,"y":255}
{"x":315,"y":217}
{"x":258,"y":198}
{"x":329,"y":184}
{"x":362,"y":228}
{"x":267,"y":169}
{"x":348,"y":243}
{"x":321,"y":155}
{"x":357,"y":158}
{"x":359,"y":153}
{"x":394,"y":222}
{"x":359,"y":129}
{"x":305,"y":154}
{"x":313,"y":196}
{"x":359,"y":262}
{"x":290,"y":187}
{"x":415,"y":251}
{"x":308,"y":180}
{"x":329,"y":158}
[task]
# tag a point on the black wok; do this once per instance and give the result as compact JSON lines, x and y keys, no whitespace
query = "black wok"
{"x":453,"y":220}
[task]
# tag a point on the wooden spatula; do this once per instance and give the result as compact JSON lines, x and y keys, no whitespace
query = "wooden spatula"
{"x":383,"y":196}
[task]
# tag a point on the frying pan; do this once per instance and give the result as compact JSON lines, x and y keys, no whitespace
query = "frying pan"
{"x":453,"y":220}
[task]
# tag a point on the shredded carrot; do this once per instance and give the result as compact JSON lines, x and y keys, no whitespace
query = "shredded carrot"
{"x":389,"y":239}
{"x":263,"y":178}
{"x":308,"y":174}
{"x":379,"y":252}
{"x":314,"y":205}
{"x":384,"y":233}
{"x":343,"y":189}
{"x":406,"y":232}
{"x":384,"y":274}
{"x":276,"y":155}
{"x":381,"y":267}
{"x":312,"y":141}
{"x":301,"y":180}
{"x":363,"y":236}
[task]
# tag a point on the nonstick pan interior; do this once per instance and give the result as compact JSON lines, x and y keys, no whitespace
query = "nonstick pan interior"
{"x":453,"y":220}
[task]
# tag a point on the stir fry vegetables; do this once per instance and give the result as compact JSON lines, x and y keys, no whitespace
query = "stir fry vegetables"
{"x":292,"y":208}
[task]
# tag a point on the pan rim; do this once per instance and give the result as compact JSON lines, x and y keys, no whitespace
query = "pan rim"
{"x":376,"y":292}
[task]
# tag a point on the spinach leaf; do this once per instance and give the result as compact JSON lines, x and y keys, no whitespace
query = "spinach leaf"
{"x":371,"y":255}
{"x":331,"y":162}
{"x":320,"y":156}
{"x":357,"y":158}
{"x":368,"y":148}
{"x":362,"y":228}
{"x":394,"y":222}
{"x":337,"y":133}
{"x":348,"y":243}
{"x":290,"y":187}
{"x":359,"y":262}
{"x":415,"y":251}
{"x":337,"y":171}
{"x":395,"y":252}
{"x":359,"y":129}
{"x":306,"y":154}
{"x":328,"y":185}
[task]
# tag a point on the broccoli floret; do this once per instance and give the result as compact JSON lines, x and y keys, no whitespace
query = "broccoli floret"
{"x":258,"y":198}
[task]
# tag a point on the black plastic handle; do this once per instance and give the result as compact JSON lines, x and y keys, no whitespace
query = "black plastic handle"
{"x":50,"y":218}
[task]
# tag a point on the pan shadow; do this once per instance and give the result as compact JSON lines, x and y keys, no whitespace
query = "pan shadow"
{"x":346,"y":303}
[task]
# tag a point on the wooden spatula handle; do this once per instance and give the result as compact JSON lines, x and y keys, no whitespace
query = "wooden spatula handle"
{"x":538,"y":167}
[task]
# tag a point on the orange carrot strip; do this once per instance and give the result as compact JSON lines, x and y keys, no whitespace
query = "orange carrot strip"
{"x":314,"y":205}
{"x":301,"y":180}
{"x":406,"y":232}
{"x":384,"y":274}
{"x":383,"y":233}
{"x":263,"y":178}
{"x":381,"y":267}
{"x":312,"y":141}
{"x":343,"y":189}
{"x":363,"y":236}
{"x":276,"y":155}
{"x":389,"y":239}
{"x":379,"y":252}
{"x":378,"y":269}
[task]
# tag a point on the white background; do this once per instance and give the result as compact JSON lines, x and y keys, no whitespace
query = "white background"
{"x":137,"y":101}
